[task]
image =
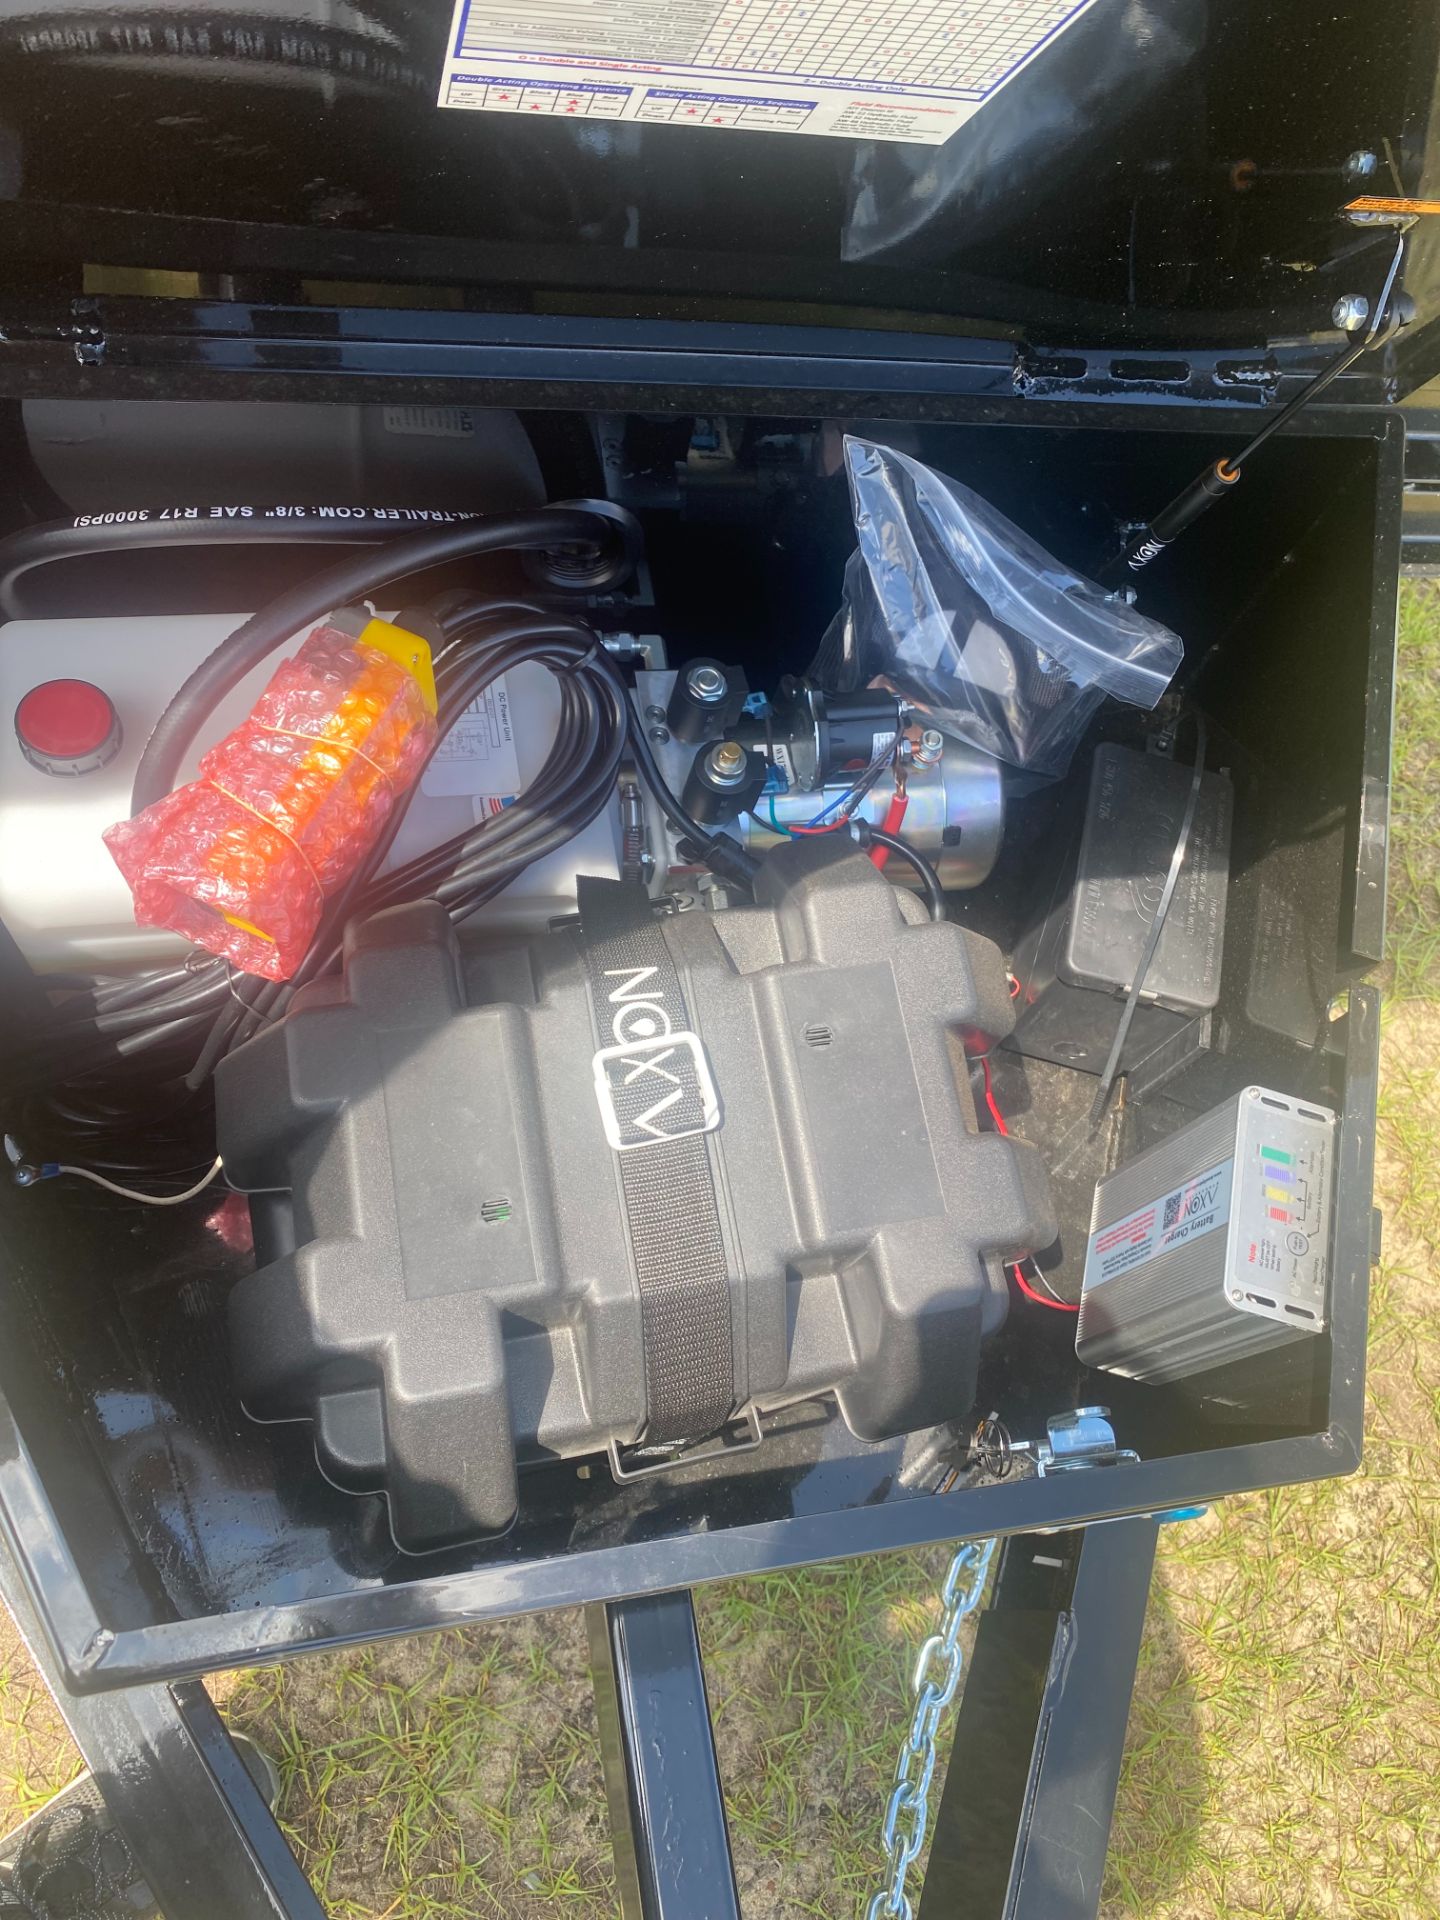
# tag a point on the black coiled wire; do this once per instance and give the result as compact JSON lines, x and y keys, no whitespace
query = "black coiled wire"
{"x":121,"y":1080}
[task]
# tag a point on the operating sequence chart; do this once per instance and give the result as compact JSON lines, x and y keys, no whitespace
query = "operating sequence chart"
{"x":911,"y":70}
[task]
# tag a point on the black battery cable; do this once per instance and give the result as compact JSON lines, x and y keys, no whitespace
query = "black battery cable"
{"x":930,"y":885}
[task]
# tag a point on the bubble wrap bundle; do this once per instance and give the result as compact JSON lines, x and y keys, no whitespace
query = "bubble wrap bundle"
{"x":242,"y":860}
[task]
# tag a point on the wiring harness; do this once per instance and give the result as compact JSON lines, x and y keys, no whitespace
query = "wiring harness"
{"x":120,"y":1078}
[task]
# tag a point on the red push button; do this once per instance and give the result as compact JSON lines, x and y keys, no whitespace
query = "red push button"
{"x":67,"y":727}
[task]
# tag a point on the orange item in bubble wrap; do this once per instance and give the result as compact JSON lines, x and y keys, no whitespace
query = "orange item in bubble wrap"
{"x":241,"y":861}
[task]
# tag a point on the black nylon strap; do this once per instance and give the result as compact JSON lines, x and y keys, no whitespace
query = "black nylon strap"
{"x":656,"y":1090}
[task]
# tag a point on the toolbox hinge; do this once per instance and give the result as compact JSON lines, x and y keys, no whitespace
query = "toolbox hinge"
{"x":83,"y":330}
{"x":1178,"y":377}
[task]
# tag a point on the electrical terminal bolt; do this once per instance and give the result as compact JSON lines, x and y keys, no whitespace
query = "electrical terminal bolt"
{"x":929,"y":749}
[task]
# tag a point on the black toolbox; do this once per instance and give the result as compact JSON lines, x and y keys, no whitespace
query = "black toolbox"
{"x":1077,"y":330}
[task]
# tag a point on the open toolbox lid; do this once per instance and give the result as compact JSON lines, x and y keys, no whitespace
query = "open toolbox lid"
{"x":1161,"y":174}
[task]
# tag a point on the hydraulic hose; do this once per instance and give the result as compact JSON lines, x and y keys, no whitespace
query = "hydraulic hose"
{"x":144,"y":532}
{"x":348,"y":580}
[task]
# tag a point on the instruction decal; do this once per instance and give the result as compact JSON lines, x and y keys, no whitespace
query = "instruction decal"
{"x":476,"y":759}
{"x":1194,"y":1208}
{"x":911,"y":70}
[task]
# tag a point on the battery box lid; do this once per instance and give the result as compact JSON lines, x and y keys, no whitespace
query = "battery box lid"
{"x":1133,"y":818}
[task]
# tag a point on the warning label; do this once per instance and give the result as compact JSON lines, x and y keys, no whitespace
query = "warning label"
{"x":1185,"y":1213}
{"x":872,"y":69}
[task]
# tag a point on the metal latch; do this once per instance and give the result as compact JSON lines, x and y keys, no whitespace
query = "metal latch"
{"x":1084,"y":1438}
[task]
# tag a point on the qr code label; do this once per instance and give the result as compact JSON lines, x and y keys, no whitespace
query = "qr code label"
{"x":1170,"y":1220}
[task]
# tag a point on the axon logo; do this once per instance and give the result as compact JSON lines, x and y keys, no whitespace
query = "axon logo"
{"x":1183,"y":1207}
{"x":1146,"y":552}
{"x":654,"y":1083}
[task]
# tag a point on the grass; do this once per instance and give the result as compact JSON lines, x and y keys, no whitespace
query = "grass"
{"x":807,"y":1673}
{"x":453,"y":1774}
{"x":461,"y":1773}
{"x":1414,"y":926}
{"x":36,"y":1757}
{"x":1284,"y":1741}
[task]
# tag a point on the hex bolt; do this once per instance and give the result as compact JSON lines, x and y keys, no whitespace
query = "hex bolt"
{"x":1361,"y":164}
{"x":931,"y":748}
{"x":1350,"y":312}
{"x":726,"y":763}
{"x":97,"y":1646}
{"x":706,"y":682}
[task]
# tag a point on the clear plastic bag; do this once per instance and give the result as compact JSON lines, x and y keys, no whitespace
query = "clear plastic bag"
{"x":962,"y":614}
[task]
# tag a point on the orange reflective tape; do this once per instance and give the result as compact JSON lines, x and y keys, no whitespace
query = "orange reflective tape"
{"x":1377,"y":203}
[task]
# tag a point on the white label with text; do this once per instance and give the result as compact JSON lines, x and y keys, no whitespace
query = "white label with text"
{"x":1198,"y":1206}
{"x":910,"y":70}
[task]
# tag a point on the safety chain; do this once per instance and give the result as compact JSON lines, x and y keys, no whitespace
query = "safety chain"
{"x":936,"y":1682}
